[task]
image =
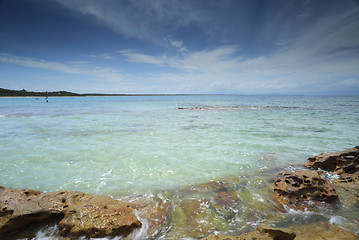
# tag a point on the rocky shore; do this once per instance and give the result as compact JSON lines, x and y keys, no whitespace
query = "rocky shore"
{"x":78,"y":214}
{"x":306,"y":188}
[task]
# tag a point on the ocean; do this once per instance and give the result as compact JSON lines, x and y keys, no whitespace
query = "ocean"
{"x":149,"y":145}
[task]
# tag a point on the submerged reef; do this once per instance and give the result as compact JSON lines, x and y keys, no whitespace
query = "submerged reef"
{"x":314,"y":231}
{"x":225,"y":108}
{"x":218,"y":209}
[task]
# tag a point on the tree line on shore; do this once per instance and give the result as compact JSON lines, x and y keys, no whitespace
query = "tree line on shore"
{"x":23,"y":93}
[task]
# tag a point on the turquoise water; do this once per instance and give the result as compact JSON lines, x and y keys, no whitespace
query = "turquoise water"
{"x":145,"y":147}
{"x":142,"y":144}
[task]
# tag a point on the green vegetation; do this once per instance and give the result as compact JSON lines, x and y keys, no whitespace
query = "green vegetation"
{"x":24,"y":93}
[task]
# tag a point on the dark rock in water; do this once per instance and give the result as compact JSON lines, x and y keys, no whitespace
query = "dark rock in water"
{"x":226,"y":108}
{"x":320,"y":231}
{"x":302,"y":189}
{"x":345,"y":161}
{"x":315,"y":231}
{"x":79,"y":214}
{"x":261,"y":233}
{"x":155,"y":215}
{"x":347,"y":186}
{"x":226,"y":199}
{"x":346,"y":165}
{"x":229,"y":184}
{"x":205,"y":208}
{"x":277,"y":233}
{"x":198,"y":210}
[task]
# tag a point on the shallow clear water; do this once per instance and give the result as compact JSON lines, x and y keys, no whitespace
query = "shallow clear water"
{"x":144,"y":144}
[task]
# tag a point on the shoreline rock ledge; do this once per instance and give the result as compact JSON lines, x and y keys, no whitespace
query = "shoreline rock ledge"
{"x":305,"y":189}
{"x":81,"y":215}
{"x":77,"y":214}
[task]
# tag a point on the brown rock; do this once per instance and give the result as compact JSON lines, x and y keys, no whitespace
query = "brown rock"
{"x":261,"y":233}
{"x":300,"y":189}
{"x":346,"y":161}
{"x":346,"y":165}
{"x":352,"y":167}
{"x":20,"y":207}
{"x":315,"y":231}
{"x":214,"y":186}
{"x":226,"y":237}
{"x":155,"y":215}
{"x":98,"y":216}
{"x":204,"y":208}
{"x":77,"y":214}
{"x":277,"y":233}
{"x":347,"y":186}
{"x":320,"y":231}
{"x":226,"y":199}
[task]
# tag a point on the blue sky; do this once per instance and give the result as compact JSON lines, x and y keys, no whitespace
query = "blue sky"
{"x":172,"y":46}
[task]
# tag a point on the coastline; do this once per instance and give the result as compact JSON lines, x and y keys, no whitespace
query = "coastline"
{"x":325,"y":181}
{"x":114,"y":95}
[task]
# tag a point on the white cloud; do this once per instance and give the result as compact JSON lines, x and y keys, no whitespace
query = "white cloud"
{"x":178,"y":45}
{"x":102,"y":56}
{"x":135,"y":57}
{"x":78,"y":67}
{"x":140,"y":19}
{"x":224,"y":69}
{"x":36,"y":63}
{"x":305,"y":43}
{"x":291,"y":69}
{"x":320,"y":57}
{"x":219,"y":59}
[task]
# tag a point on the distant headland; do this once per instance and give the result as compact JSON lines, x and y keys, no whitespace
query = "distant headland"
{"x":23,"y":93}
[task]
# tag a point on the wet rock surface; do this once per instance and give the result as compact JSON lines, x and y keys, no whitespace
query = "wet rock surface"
{"x":79,"y":214}
{"x":20,"y":207}
{"x":346,"y":161}
{"x":231,"y":205}
{"x":205,"y":208}
{"x":345,"y":165}
{"x":154,"y":217}
{"x":98,"y":216}
{"x":302,"y":189}
{"x":316,"y":231}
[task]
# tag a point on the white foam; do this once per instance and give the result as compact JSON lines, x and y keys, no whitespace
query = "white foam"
{"x":141,"y":233}
{"x":337,"y":220}
{"x":48,"y":233}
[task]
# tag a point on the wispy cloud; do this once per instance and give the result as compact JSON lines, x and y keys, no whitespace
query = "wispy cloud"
{"x":296,"y":47}
{"x":37,"y":63}
{"x":133,"y":56}
{"x":140,"y":19}
{"x":294,"y":69}
{"x":178,"y":45}
{"x":102,"y":56}
{"x":78,"y":67}
{"x":219,"y":59}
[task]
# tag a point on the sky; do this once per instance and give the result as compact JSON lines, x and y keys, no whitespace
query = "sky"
{"x":181,"y":46}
